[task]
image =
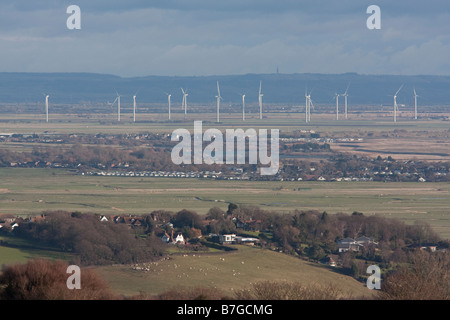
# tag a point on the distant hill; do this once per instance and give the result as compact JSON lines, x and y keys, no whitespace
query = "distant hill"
{"x":73,"y":88}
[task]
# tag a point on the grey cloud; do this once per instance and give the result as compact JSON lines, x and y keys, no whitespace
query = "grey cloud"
{"x":196,"y":37}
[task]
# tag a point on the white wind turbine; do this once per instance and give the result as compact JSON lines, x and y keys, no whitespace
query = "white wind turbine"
{"x":46,"y":107}
{"x":134,"y":108}
{"x":243,"y":107}
{"x":168,"y":98}
{"x":218,"y":102}
{"x":260,"y":100}
{"x":345,"y":95}
{"x":184,"y":103}
{"x":118,"y":105}
{"x":308,"y":107}
{"x":395,"y":103}
{"x":337,"y":106}
{"x":415,"y":104}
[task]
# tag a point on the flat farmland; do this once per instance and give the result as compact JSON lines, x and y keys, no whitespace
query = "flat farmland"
{"x":157,"y":122}
{"x":420,"y":147}
{"x":32,"y":191}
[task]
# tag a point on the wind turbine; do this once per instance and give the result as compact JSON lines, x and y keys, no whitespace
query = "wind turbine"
{"x":243,"y":107}
{"x":168,"y":98}
{"x":134,"y":108}
{"x":395,"y":103}
{"x":118,"y":105}
{"x":308,"y":107}
{"x":345,"y":95}
{"x":415,"y":104}
{"x":260,"y":101}
{"x":337,"y":106}
{"x":46,"y":106}
{"x":184,"y":103}
{"x":218,"y":102}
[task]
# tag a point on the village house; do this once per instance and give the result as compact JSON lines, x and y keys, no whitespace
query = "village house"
{"x":234,"y":239}
{"x":179,"y":239}
{"x":348,"y":244}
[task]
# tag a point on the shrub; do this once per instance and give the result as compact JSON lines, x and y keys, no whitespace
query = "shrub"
{"x":47,"y":280}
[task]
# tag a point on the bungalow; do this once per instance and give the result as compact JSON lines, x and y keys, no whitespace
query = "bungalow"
{"x":233,"y":239}
{"x":365,"y":240}
{"x":227,"y":238}
{"x":348,"y":244}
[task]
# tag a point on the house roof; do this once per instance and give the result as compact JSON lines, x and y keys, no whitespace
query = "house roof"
{"x":364,"y":238}
{"x":346,"y":240}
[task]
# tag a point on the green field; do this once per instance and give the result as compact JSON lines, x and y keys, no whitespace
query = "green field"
{"x":24,"y":250}
{"x":155,"y":122}
{"x":32,"y":191}
{"x":227,"y":272}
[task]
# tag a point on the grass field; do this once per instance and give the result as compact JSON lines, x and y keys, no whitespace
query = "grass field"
{"x":155,"y":122}
{"x":31,"y":191}
{"x":25,"y":250}
{"x":227,"y":272}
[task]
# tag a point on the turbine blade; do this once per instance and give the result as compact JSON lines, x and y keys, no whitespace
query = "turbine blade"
{"x":348,"y":86}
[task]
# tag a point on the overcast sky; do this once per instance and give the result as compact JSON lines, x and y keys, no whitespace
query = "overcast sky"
{"x":210,"y":37}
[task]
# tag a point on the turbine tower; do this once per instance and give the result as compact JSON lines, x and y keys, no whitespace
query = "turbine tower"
{"x":118,"y":105}
{"x":218,"y":102}
{"x":134,"y":108}
{"x":307,"y":107}
{"x":243,"y":107}
{"x":168,"y":98}
{"x":415,"y":104}
{"x":260,"y":101}
{"x":337,"y":106}
{"x":46,"y":107}
{"x":395,"y":103}
{"x":185,"y":94}
{"x":345,"y":95}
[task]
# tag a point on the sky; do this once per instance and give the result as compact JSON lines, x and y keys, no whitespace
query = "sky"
{"x":133,"y":38}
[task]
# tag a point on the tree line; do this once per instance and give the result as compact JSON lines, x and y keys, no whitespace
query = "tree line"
{"x":89,"y":240}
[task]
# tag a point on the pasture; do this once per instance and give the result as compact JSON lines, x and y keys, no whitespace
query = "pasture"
{"x":158,"y":123}
{"x":227,"y":272}
{"x":31,"y":191}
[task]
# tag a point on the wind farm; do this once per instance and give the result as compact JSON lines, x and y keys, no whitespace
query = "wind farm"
{"x":282,"y":95}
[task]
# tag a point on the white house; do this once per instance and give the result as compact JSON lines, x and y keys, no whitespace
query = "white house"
{"x":227,"y":238}
{"x":179,"y":239}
